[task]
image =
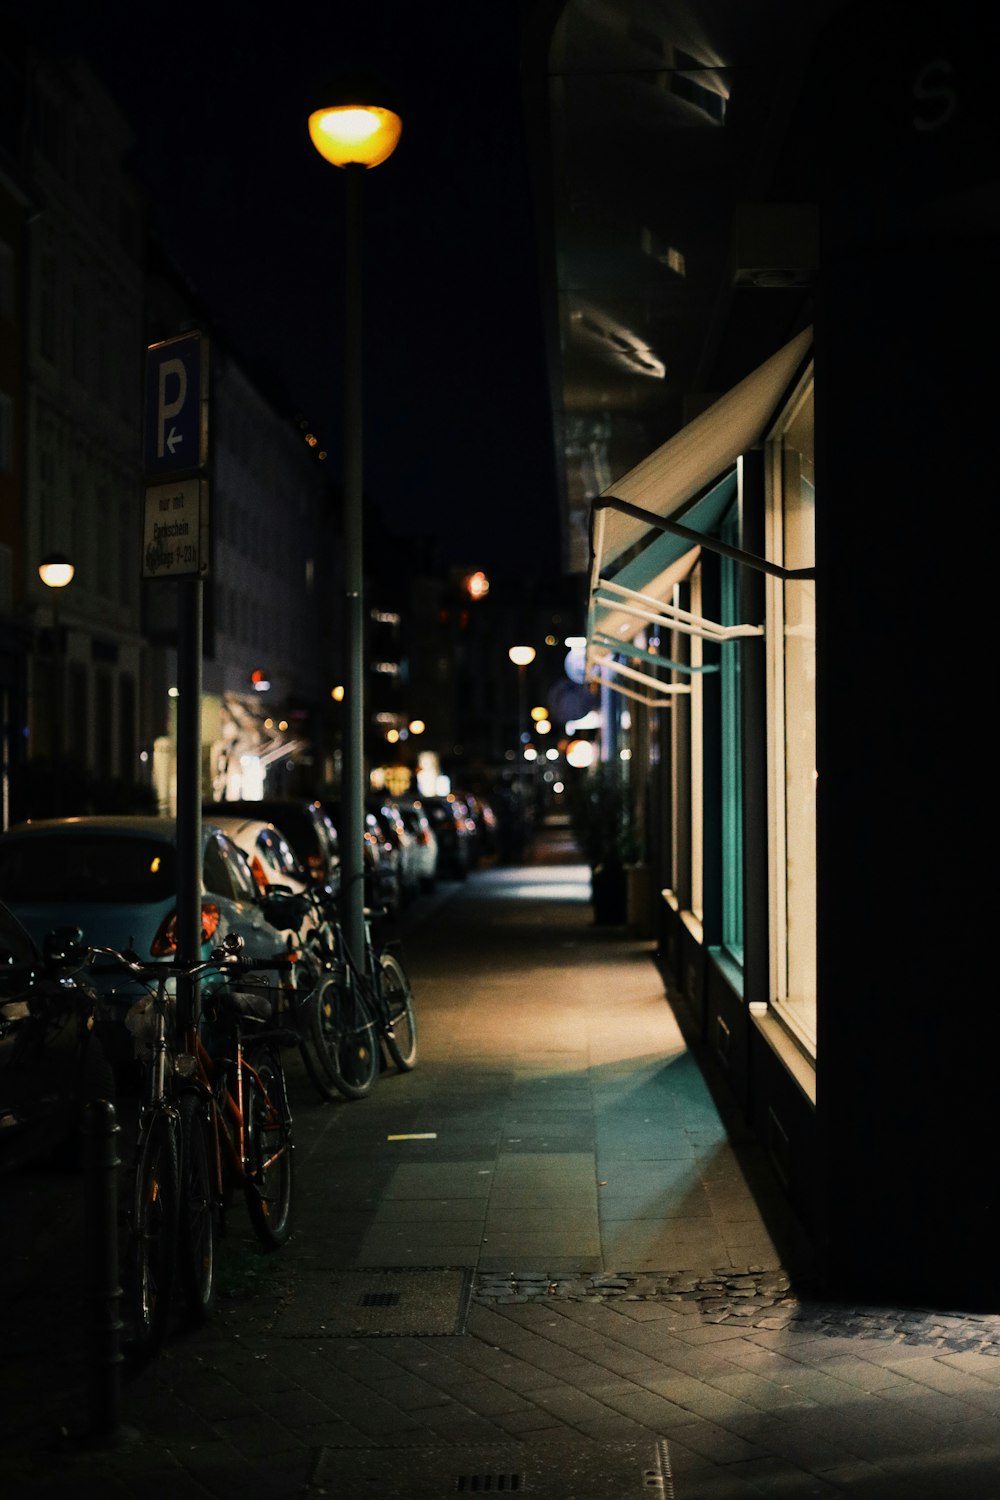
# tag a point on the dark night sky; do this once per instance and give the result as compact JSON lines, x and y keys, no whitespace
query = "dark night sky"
{"x":457,"y":421}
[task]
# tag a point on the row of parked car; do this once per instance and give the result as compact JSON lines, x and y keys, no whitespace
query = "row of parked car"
{"x":410,"y":843}
{"x":115,"y":878}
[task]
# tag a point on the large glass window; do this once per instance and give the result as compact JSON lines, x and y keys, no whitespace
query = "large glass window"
{"x":732,"y":755}
{"x":791,"y":635}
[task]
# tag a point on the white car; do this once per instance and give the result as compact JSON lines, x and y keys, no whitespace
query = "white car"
{"x":419,"y":828}
{"x":268,"y":852}
{"x":272,"y":863}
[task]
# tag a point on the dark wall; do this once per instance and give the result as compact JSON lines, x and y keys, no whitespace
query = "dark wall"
{"x":906,"y":321}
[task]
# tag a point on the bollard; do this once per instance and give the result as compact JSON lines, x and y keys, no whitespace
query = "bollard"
{"x":101,"y":1130}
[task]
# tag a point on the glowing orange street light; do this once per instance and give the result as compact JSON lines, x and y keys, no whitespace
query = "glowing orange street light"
{"x":355,"y":127}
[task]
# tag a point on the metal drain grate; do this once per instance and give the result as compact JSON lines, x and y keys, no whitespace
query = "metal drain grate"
{"x":395,"y":1303}
{"x":488,"y":1484}
{"x":549,"y":1469}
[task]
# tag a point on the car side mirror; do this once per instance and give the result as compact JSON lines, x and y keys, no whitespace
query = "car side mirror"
{"x":63,"y":946}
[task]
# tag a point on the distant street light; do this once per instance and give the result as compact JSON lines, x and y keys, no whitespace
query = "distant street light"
{"x":56,"y":572}
{"x":522,"y":657}
{"x":353,"y":131}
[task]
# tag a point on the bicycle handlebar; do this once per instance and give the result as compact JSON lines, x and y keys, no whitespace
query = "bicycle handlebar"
{"x":220,"y":959}
{"x":241,"y":965}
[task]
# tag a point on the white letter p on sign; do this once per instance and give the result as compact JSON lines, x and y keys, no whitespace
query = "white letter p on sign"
{"x":168,"y":409}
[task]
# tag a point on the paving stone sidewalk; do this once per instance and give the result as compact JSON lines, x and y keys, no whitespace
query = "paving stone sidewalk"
{"x":414,"y":1339}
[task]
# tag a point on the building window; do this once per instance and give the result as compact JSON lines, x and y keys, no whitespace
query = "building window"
{"x":697,"y":782}
{"x":732,"y":754}
{"x":791,"y":638}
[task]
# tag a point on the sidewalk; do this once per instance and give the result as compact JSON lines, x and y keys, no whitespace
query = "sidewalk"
{"x":543,"y":1262}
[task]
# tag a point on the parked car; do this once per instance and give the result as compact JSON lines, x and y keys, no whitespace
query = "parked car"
{"x":269,"y":854}
{"x":451,"y":823}
{"x":485,"y":821}
{"x":277,"y":874}
{"x":116,"y":879}
{"x":418,"y":826}
{"x":381,"y":864}
{"x":400,"y":839}
{"x":53,"y":1059}
{"x":304,"y":822}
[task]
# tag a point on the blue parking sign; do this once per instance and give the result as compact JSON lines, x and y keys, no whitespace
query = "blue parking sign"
{"x":175,"y":426}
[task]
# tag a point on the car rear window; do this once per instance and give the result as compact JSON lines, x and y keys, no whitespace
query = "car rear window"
{"x":81,"y":867}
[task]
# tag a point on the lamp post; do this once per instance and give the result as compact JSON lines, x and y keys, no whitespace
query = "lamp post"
{"x":56,"y":572}
{"x":351,"y":130}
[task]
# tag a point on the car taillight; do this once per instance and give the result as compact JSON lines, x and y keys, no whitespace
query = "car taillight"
{"x":315,"y":867}
{"x":165,"y":941}
{"x":257,"y":870}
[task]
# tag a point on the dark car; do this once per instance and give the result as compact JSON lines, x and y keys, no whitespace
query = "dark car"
{"x":450,"y":821}
{"x":381,"y":863}
{"x":52,"y":1057}
{"x":304,"y":822}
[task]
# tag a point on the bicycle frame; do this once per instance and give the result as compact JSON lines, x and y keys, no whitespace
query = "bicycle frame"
{"x":227,"y":1109}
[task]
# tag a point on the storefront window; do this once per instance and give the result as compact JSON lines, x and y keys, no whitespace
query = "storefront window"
{"x":697,"y":783}
{"x":791,"y":635}
{"x":732,"y":757}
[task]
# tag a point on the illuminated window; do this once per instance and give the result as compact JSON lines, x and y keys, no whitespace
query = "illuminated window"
{"x":732,"y":756}
{"x":791,"y":639}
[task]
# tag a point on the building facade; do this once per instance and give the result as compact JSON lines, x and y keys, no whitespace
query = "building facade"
{"x":799,"y":739}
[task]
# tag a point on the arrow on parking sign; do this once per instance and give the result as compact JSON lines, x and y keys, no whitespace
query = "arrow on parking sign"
{"x":176,"y":428}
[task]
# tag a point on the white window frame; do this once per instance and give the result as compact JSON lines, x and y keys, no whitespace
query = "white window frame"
{"x":791,"y":945}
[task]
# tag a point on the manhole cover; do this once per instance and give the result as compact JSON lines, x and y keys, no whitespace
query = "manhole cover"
{"x":377,"y":1304}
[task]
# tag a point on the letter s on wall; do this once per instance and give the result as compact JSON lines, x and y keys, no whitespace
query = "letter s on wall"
{"x":933,"y":86}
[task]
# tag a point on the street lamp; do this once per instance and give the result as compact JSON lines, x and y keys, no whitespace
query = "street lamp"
{"x":56,"y":571}
{"x":354,"y":126}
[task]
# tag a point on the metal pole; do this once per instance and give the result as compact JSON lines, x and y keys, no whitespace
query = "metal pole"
{"x":101,"y":1215}
{"x":189,"y":683}
{"x":353,"y":799}
{"x":521,"y":706}
{"x":58,"y":695}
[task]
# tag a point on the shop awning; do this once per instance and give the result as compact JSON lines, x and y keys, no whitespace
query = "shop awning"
{"x":691,"y":479}
{"x":688,"y":465}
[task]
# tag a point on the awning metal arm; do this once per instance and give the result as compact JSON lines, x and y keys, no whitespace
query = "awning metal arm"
{"x":612,"y":502}
{"x":628,"y":648}
{"x":666,"y":689}
{"x":657,"y":612}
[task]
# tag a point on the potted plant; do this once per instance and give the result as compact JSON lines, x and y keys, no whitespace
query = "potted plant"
{"x":602,"y":827}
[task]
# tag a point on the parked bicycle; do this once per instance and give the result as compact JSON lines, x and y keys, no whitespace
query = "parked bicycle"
{"x":360,"y":1012}
{"x":214,"y":1113}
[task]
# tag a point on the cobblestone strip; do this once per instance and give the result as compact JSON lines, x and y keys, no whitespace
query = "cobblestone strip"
{"x":753,"y":1298}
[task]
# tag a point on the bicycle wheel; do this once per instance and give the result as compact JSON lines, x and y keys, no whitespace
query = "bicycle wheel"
{"x":307,"y":1022}
{"x":197,"y":1218}
{"x":268,"y":1147}
{"x":400,"y":1036}
{"x":308,"y":1028}
{"x":344,"y":1039}
{"x":153,"y":1250}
